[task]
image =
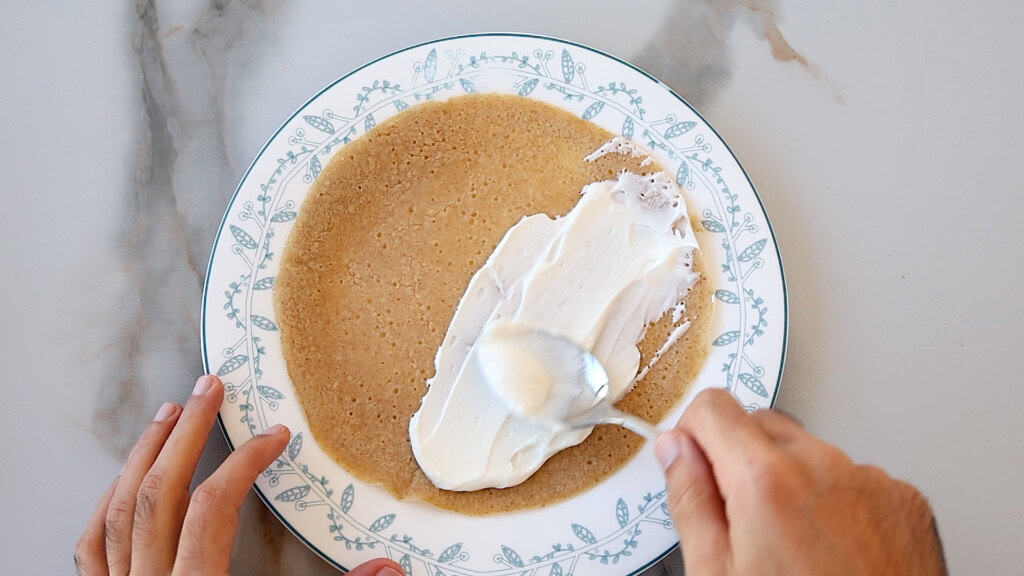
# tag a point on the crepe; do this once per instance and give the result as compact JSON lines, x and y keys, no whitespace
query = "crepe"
{"x":380,"y":254}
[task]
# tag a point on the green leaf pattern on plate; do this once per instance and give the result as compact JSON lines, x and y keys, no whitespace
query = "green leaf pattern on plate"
{"x":450,"y":553}
{"x":754,"y":384}
{"x":683,"y":175}
{"x":430,"y":66}
{"x":263,"y":322}
{"x":752,"y":251}
{"x":568,"y":67}
{"x":584,"y":534}
{"x":511,"y":556}
{"x":315,"y":167}
{"x":347,"y":497}
{"x":593,"y":110}
{"x":320,"y":123}
{"x":243,"y":238}
{"x":526,"y":88}
{"x":679,"y":128}
{"x":726,"y":338}
{"x":293,"y":494}
{"x":713,"y":226}
{"x":232,"y":364}
{"x":727,"y":296}
{"x":622,"y":513}
{"x":295,"y":446}
{"x":627,"y":128}
{"x":382,"y":522}
{"x":269,"y":392}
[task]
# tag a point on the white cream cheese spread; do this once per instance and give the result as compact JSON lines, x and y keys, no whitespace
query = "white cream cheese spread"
{"x":598,"y":276}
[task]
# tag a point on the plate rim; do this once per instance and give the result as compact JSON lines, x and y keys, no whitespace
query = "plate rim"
{"x":234,"y":196}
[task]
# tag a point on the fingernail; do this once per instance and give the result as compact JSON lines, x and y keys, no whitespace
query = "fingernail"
{"x":274,"y":430}
{"x":688,"y":450}
{"x":166,"y":411}
{"x":666,"y":449}
{"x":388,"y":571}
{"x":203,"y":385}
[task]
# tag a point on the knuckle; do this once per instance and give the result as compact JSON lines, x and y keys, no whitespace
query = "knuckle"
{"x":776,"y":419}
{"x":913,"y":499}
{"x":833,"y":458}
{"x":873,"y":474}
{"x":153,"y":483}
{"x":205,"y":497}
{"x":83,"y":548}
{"x":765,"y":468}
{"x":768,"y":476}
{"x":685,"y":498}
{"x":903,"y":495}
{"x":779,"y":413}
{"x":149,"y":494}
{"x":86,"y":554}
{"x":712,"y":396}
{"x":705,"y":403}
{"x":118,"y":519}
{"x":203,"y":514}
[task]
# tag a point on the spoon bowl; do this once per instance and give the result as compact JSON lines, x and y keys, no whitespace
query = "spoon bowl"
{"x":550,"y":379}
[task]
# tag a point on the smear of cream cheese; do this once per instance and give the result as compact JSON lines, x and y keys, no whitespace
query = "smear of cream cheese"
{"x":618,"y":261}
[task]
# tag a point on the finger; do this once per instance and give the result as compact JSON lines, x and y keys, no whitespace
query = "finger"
{"x":377,"y":567}
{"x":121,"y":512}
{"x":163,"y":493}
{"x":778,"y":426}
{"x":695,"y":504}
{"x":730,"y":440}
{"x":212,"y":517}
{"x":90,"y":556}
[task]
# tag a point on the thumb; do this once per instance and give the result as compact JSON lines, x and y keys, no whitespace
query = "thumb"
{"x":377,"y":567}
{"x":695,"y":503}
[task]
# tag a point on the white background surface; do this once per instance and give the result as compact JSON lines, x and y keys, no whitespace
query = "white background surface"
{"x":890,"y":164}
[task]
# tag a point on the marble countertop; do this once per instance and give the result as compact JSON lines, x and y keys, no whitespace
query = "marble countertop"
{"x":884,"y":139}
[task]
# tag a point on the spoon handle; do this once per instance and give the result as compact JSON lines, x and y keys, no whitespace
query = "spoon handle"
{"x":630,"y":422}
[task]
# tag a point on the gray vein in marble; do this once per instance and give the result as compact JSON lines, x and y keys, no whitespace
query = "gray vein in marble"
{"x":763,"y":13}
{"x":269,"y":536}
{"x":182,"y":178}
{"x":691,"y":51}
{"x":151,"y":203}
{"x":181,"y":181}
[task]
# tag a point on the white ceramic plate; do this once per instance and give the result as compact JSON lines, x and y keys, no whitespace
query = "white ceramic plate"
{"x":619,"y":527}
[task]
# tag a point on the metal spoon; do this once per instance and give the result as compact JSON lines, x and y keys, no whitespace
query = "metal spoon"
{"x":576,"y":383}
